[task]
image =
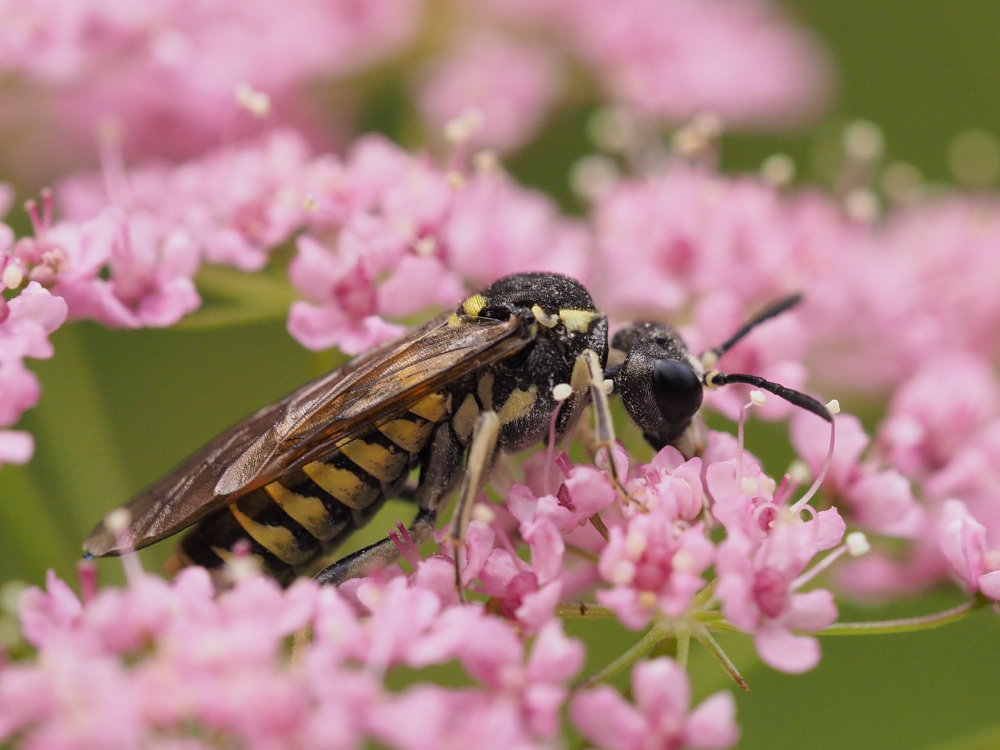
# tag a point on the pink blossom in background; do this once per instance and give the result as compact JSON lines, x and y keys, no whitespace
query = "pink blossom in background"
{"x":167,"y":73}
{"x":689,"y":231}
{"x":511,"y":86}
{"x":963,"y":542}
{"x":877,"y":498}
{"x":672,"y":60}
{"x":236,"y":203}
{"x":661,"y":716}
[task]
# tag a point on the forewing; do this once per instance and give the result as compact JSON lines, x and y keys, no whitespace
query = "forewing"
{"x":311,"y":421}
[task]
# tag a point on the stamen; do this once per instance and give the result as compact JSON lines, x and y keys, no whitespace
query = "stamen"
{"x":561,"y":391}
{"x":756,"y":399}
{"x":242,"y":563}
{"x":117,"y":522}
{"x":112,"y":159}
{"x":550,"y":449}
{"x":13,"y":276}
{"x":460,"y":129}
{"x":827,"y":463}
{"x":483,"y":513}
{"x":855,"y":544}
{"x":86,"y":573}
{"x":404,"y":543}
{"x":253,"y":101}
{"x":778,"y":170}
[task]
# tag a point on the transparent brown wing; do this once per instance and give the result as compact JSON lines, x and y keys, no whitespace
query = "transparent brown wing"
{"x":313,"y":420}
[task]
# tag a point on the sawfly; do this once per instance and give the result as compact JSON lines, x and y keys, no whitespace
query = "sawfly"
{"x":291,"y":481}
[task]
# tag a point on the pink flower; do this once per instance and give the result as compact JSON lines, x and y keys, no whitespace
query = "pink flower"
{"x":660,"y":717}
{"x":167,"y":74}
{"x":758,"y":591}
{"x":510,"y":85}
{"x":346,"y":286}
{"x":654,"y":564}
{"x":933,"y":413}
{"x":878,"y":498}
{"x":963,"y":541}
{"x":672,"y":60}
{"x":762,"y":562}
{"x":150,"y":268}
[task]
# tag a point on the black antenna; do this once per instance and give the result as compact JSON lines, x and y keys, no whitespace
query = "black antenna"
{"x":716,"y":378}
{"x":770,"y":312}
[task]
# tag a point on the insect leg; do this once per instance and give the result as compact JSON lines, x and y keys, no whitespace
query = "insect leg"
{"x":485,"y":435}
{"x":603,"y":425}
{"x":440,"y":468}
{"x":378,"y":555}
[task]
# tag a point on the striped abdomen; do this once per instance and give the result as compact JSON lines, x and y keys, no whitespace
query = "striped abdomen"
{"x":292,"y":521}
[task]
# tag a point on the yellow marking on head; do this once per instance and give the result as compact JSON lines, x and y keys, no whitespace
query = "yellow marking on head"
{"x":343,"y":484}
{"x":518,"y":404}
{"x":547,"y":320}
{"x":277,"y":540}
{"x":473,"y":305}
{"x":384,"y":464}
{"x":464,"y":418}
{"x":484,"y":389}
{"x":454,"y":321}
{"x":433,"y":408}
{"x":408,"y":435}
{"x":578,"y":320}
{"x":308,"y":512}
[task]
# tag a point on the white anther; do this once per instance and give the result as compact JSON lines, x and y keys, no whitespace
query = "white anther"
{"x":799,"y":472}
{"x":255,"y":102}
{"x":778,"y":170}
{"x":117,"y":521}
{"x":562,"y":391}
{"x":593,"y":176}
{"x":863,"y":140}
{"x":861,"y":204}
{"x":757,"y":397}
{"x":486,"y":162}
{"x":13,"y":276}
{"x":833,"y":406}
{"x":635,"y":544}
{"x":623,"y":572}
{"x":425,"y":246}
{"x":483,"y":513}
{"x":608,"y":386}
{"x":462,"y":128}
{"x":857,"y":544}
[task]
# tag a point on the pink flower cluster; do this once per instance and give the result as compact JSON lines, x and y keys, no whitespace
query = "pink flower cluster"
{"x":164,"y":76}
{"x":894,"y":304}
{"x":166,"y":73}
{"x":392,"y":233}
{"x":28,"y":316}
{"x":664,"y":60}
{"x":172,"y":665}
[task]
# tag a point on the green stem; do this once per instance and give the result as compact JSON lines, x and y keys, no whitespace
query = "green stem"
{"x":712,"y":646}
{"x":584,"y":611}
{"x":683,"y":648}
{"x":906,"y":624}
{"x":598,"y":524}
{"x":639,"y":649}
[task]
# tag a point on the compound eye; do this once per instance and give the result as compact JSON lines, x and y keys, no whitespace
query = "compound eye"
{"x":677,"y":389}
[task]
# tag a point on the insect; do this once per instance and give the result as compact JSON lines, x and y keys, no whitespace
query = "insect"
{"x":292,"y":480}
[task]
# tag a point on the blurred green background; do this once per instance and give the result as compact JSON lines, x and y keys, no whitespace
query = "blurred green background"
{"x":119,"y":408}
